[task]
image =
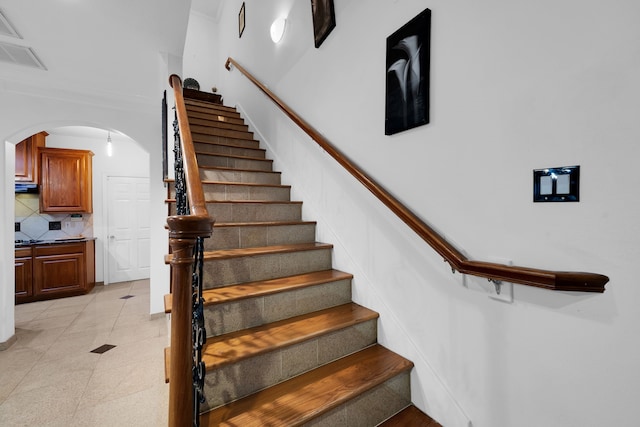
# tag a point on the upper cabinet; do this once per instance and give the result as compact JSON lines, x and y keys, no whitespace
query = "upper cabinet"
{"x":66,"y":178}
{"x":27,"y":158}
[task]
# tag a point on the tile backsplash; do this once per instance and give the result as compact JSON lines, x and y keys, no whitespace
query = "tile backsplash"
{"x":34,"y":225}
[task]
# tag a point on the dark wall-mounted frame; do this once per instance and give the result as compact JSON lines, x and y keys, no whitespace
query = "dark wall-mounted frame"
{"x":408,"y":64}
{"x":561,"y":184}
{"x":324,"y":19}
{"x":241,"y":21}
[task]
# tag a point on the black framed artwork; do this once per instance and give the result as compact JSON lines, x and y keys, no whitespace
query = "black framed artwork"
{"x":241,"y":20}
{"x":324,"y":19}
{"x":408,"y":63}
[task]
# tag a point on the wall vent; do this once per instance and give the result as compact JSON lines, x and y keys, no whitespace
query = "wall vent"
{"x":6,"y":29}
{"x":20,"y":55}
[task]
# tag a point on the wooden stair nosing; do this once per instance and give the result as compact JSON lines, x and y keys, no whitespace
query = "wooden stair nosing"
{"x":204,"y":153}
{"x":228,"y":145}
{"x":265,"y":250}
{"x":226,"y":133}
{"x":191,"y":104}
{"x":226,"y":118}
{"x":223,"y":254}
{"x":265,"y":287}
{"x":256,"y":202}
{"x":218,"y":124}
{"x":233,"y":347}
{"x":236,"y":184}
{"x":263,"y":223}
{"x":227,"y":169}
{"x":410,"y":416}
{"x":309,"y":395}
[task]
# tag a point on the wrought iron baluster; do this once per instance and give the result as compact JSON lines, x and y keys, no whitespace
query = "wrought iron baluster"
{"x":182,"y":203}
{"x":199,"y":333}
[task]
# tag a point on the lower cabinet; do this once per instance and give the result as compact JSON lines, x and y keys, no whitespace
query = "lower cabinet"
{"x":57,"y":270}
{"x":24,"y":274}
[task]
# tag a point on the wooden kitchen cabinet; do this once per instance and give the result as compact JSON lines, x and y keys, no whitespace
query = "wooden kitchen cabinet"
{"x":55,"y":270}
{"x":66,"y":178}
{"x":27,"y":158}
{"x":24,"y":275}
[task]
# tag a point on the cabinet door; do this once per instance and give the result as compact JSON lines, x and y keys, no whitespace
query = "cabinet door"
{"x":59,"y":274}
{"x":27,"y":165}
{"x":24,"y":288}
{"x":66,"y":180}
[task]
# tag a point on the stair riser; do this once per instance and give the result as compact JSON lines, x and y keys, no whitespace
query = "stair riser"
{"x":263,"y":267}
{"x":234,"y":316}
{"x":213,"y":122}
{"x":221,"y":132}
{"x":216,"y":139}
{"x":247,"y":177}
{"x":248,"y":376}
{"x":254,"y":236}
{"x":241,"y":212}
{"x":241,"y":192}
{"x":370,"y":408}
{"x":233,"y":162}
{"x":228,"y":150}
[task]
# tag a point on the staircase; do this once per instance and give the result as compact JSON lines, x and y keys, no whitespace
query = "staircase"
{"x":286,"y":345}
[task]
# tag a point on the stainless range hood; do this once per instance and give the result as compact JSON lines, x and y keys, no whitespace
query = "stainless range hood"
{"x":26,"y":188}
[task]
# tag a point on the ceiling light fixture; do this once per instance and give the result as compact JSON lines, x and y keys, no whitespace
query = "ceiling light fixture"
{"x":277,"y":29}
{"x":109,"y":145}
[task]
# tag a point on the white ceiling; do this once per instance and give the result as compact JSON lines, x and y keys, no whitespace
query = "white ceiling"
{"x":108,"y":47}
{"x":105,"y":49}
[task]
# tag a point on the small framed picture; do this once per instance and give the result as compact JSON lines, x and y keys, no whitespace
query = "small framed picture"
{"x":408,"y":63}
{"x":241,"y":20}
{"x":324,"y":19}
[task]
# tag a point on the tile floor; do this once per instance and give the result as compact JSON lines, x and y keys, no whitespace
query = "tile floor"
{"x":49,"y":377}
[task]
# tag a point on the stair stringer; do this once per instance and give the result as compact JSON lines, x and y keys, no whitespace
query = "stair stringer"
{"x":428,"y":390}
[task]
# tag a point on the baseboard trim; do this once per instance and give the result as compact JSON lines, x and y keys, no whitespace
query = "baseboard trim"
{"x":8,"y":343}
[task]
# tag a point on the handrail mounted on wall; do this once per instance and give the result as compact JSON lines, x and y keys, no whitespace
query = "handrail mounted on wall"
{"x":553,"y":280}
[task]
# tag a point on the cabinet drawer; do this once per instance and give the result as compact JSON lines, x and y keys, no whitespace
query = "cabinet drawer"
{"x":23,"y":252}
{"x":65,"y":248}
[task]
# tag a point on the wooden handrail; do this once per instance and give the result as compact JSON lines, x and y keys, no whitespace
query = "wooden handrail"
{"x":553,"y":280}
{"x":184,"y":232}
{"x":195,"y":194}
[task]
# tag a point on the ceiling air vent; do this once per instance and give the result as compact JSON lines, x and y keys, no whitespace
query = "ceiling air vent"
{"x":6,"y":29}
{"x":19,"y":55}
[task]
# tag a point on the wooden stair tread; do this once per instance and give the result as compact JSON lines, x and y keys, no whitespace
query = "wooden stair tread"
{"x":265,"y":287}
{"x":233,"y":156}
{"x":237,"y":184}
{"x":191,"y":103}
{"x":262,"y":223}
{"x":223,"y":168}
{"x":261,"y":250}
{"x":230,"y":145}
{"x":410,"y":416}
{"x":258,"y":202}
{"x":300,"y":399}
{"x":264,"y":250}
{"x":198,"y":95}
{"x":230,"y":348}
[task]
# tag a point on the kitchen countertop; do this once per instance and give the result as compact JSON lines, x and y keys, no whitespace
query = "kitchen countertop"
{"x":26,"y":243}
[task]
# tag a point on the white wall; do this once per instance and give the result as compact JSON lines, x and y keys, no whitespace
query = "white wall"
{"x":515,"y":86}
{"x":201,"y":51}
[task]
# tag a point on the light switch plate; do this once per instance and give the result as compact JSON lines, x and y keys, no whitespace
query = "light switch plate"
{"x":561,"y":184}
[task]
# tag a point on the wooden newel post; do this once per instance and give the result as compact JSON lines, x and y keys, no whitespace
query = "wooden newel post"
{"x":183,"y":232}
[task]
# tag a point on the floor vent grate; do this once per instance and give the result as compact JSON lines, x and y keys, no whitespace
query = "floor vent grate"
{"x":102,"y":349}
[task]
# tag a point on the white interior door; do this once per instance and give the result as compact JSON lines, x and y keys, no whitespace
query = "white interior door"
{"x":127,"y":229}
